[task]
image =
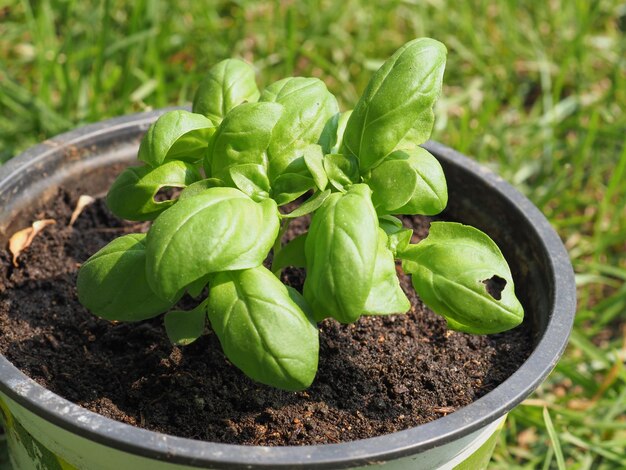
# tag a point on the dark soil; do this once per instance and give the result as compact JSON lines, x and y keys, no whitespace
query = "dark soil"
{"x":380,"y":375}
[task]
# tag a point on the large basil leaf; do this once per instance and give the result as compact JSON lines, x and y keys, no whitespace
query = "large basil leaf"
{"x":340,"y":253}
{"x":308,"y":106}
{"x":395,"y":111}
{"x":220,"y":229}
{"x":460,"y":273}
{"x":242,"y":138}
{"x":176,"y":135}
{"x":227,"y":84}
{"x":131,"y":196}
{"x":386,"y":296}
{"x":112,"y":283}
{"x":262,"y":329}
{"x":409,"y":182}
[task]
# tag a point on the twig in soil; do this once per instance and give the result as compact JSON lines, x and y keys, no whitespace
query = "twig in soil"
{"x":83,"y":201}
{"x":444,"y":409}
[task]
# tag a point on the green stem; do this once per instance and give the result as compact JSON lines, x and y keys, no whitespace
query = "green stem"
{"x":284,"y":225}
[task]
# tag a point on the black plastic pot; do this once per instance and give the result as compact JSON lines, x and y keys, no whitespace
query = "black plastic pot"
{"x":59,"y":429}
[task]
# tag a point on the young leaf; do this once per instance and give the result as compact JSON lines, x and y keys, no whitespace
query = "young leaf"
{"x":314,"y":161}
{"x":460,"y":273}
{"x":251,"y":179}
{"x":399,"y":241}
{"x":220,"y":229}
{"x":387,"y":220}
{"x":309,"y":205}
{"x":397,"y":103}
{"x":290,"y":186}
{"x":340,"y":253}
{"x":398,"y":237}
{"x":131,"y":196}
{"x":308,"y":105}
{"x":301,"y":175}
{"x":227,"y":84}
{"x":176,"y":135}
{"x":409,"y":182}
{"x":242,"y":138}
{"x":386,"y":296}
{"x":263,"y":331}
{"x":184,"y":327}
{"x":112,"y":283}
{"x":342,"y":170}
{"x":196,"y":287}
{"x":332,"y":134}
{"x":292,"y":254}
{"x":328,"y":137}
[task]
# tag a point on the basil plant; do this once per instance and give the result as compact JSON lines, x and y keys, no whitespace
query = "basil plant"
{"x":240,"y":155}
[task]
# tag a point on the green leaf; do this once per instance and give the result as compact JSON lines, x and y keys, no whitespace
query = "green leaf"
{"x":393,"y":183}
{"x":227,"y":84}
{"x":310,"y":205}
{"x":263,"y":331}
{"x":252,"y":180}
{"x":242,"y":138}
{"x":290,"y":186}
{"x":184,"y":327}
{"x":398,"y":237}
{"x":176,"y":135}
{"x":301,"y":175}
{"x":332,"y":134}
{"x":292,"y":254}
{"x":314,"y":161}
{"x":341,"y":255}
{"x":131,"y":196}
{"x":452,"y":269}
{"x":199,"y":187}
{"x":395,"y":111}
{"x":387,"y":220}
{"x":386,"y":296}
{"x":308,"y":106}
{"x":342,"y":170}
{"x":220,"y":229}
{"x":399,"y":241}
{"x":409,"y":182}
{"x":112,"y":283}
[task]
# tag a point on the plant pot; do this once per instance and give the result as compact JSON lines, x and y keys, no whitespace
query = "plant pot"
{"x":47,"y":431}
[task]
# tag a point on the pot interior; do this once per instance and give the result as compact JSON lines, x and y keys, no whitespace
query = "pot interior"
{"x":539,"y":263}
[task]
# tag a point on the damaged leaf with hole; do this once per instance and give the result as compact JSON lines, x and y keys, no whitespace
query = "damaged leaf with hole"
{"x":133,"y":195}
{"x":461,"y":274}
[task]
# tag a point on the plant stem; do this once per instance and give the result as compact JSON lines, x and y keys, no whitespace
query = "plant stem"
{"x":284,"y":226}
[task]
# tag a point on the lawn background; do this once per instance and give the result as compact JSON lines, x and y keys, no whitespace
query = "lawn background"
{"x":536,"y":90}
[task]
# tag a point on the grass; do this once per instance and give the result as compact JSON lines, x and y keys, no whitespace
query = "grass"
{"x":536,"y":90}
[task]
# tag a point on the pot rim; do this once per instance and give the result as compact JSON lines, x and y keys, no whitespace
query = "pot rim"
{"x":71,"y":417}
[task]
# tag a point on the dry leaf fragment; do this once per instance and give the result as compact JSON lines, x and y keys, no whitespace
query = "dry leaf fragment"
{"x":83,"y":201}
{"x":22,"y":239}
